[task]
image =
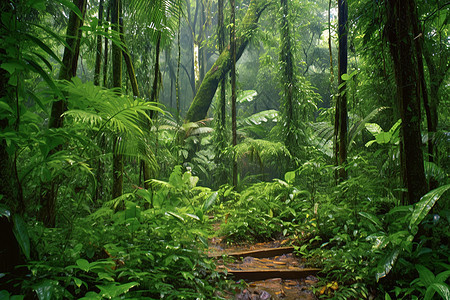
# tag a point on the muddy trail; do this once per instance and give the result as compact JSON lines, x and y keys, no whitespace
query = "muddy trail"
{"x":270,"y":270}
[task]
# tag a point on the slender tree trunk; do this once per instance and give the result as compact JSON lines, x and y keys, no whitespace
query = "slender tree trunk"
{"x":222,"y":66}
{"x":154,"y":98}
{"x":221,"y":36}
{"x":329,"y":44}
{"x":177,"y":82}
{"x":47,"y":213}
{"x":341,"y":103}
{"x":157,"y":75}
{"x":400,"y":29}
{"x":70,"y":61}
{"x":221,"y":175}
{"x":286,"y":61}
{"x":98,"y":63}
{"x":117,"y":83}
{"x":98,"y":54}
{"x":233,"y":85}
{"x":105,"y":62}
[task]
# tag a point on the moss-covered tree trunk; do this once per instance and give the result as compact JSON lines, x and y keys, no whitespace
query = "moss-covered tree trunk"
{"x":222,"y":66}
{"x":49,"y":190}
{"x":400,"y":34}
{"x":70,"y":61}
{"x":287,"y":79}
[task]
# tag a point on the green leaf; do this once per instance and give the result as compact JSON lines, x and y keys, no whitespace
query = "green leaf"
{"x":387,"y":297}
{"x":209,"y":202}
{"x":442,"y":277}
{"x":370,"y":143}
{"x":441,"y":288}
{"x":383,"y":137}
{"x":72,"y":7}
{"x":4,"y":295}
{"x":289,"y":176}
{"x":44,"y":47}
{"x":425,"y":204}
{"x":113,"y":290}
{"x":32,"y":65}
{"x":12,"y":66}
{"x":386,"y":265}
{"x":37,"y":4}
{"x":175,"y":215}
{"x":37,"y":100}
{"x":83,"y":264}
{"x":374,"y":219}
{"x":373,"y":128}
{"x":91,"y":296}
{"x":4,"y":210}
{"x":425,"y":275}
{"x":45,"y":289}
{"x":78,"y":282}
{"x":246,"y":96}
{"x":21,"y":233}
{"x":193,"y":216}
{"x":395,"y":128}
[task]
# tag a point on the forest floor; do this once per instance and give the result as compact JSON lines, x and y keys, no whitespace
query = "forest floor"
{"x":268,"y":270}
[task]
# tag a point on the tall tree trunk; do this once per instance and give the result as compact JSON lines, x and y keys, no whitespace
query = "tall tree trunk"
{"x":221,"y":37}
{"x":340,"y":123}
{"x":154,"y":98}
{"x":47,"y":213}
{"x":418,"y":42}
{"x":117,"y":187}
{"x":222,"y":66}
{"x":157,"y":75}
{"x":70,"y":61}
{"x":341,"y":103}
{"x":221,"y":175}
{"x":329,"y":44}
{"x":233,"y":85}
{"x":105,"y":62}
{"x":400,"y":29}
{"x":287,"y":79}
{"x":98,"y":54}
{"x":98,"y":63}
{"x":177,"y":82}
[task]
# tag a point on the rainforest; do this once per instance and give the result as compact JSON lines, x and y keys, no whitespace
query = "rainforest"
{"x":211,"y":149}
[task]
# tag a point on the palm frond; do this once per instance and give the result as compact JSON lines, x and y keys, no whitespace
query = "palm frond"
{"x":260,"y":117}
{"x":103,"y":109}
{"x":161,"y":17}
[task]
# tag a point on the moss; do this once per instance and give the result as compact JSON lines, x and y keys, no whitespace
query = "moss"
{"x":222,"y":66}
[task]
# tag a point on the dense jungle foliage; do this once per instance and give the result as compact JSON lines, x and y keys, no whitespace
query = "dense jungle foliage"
{"x":129,"y":128}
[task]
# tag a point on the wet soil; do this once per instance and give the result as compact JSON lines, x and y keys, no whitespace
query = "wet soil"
{"x":270,"y":270}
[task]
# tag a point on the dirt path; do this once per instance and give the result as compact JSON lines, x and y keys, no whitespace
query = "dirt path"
{"x":270,"y":270}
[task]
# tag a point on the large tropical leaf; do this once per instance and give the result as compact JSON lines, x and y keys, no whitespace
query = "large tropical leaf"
{"x":425,"y":204}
